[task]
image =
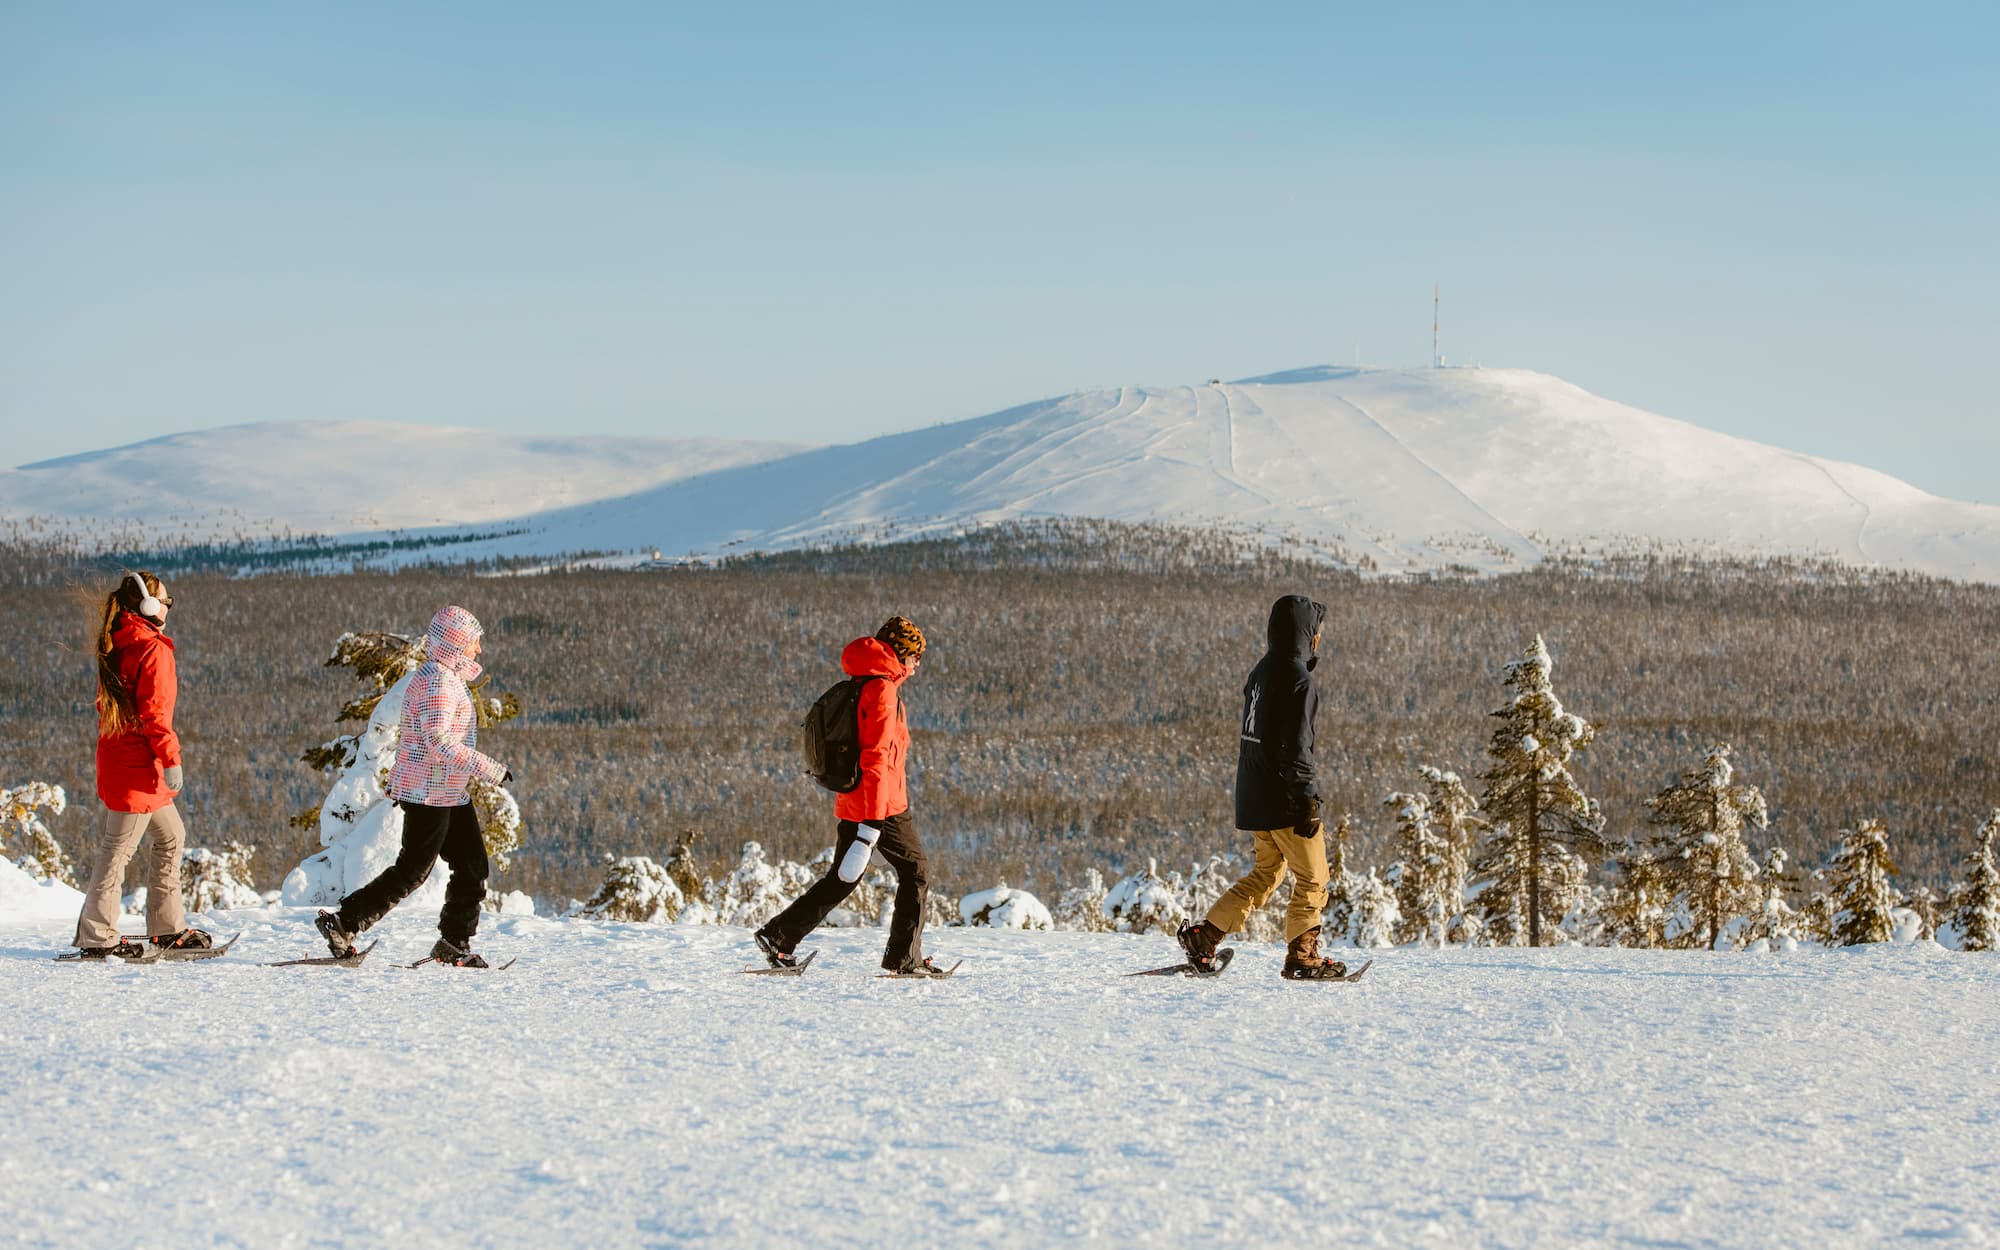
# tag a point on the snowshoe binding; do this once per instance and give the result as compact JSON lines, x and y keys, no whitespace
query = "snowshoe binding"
{"x":453,"y":955}
{"x":1200,"y":942}
{"x":185,"y":940}
{"x":127,"y":949}
{"x":338,"y":939}
{"x":781,"y":960}
{"x":1303,"y":962}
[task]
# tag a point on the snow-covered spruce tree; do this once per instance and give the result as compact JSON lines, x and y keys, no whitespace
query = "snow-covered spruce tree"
{"x":1004,"y":908}
{"x":636,"y":890}
{"x":1640,"y":900}
{"x":1536,"y":806}
{"x":758,"y":889}
{"x":1776,"y":924}
{"x":359,"y":827}
{"x":214,"y":880}
{"x":1924,"y":903}
{"x":1081,"y":907}
{"x":1858,"y":881}
{"x":1435,"y":833}
{"x":1343,"y":889}
{"x":23,"y":834}
{"x":1975,"y":901}
{"x":1702,"y":851}
{"x":1376,"y":917}
{"x":1145,"y":902}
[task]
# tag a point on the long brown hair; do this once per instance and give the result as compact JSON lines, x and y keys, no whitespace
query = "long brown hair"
{"x":117,"y":710}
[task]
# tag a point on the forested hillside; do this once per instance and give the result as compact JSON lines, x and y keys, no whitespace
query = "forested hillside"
{"x":1078,"y":704}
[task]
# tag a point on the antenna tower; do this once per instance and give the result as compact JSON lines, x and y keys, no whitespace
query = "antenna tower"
{"x":1437,"y":361}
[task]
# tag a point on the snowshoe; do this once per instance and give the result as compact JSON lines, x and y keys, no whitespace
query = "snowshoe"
{"x":185,"y":940}
{"x":338,"y":940}
{"x":452,"y":954}
{"x":922,"y":970}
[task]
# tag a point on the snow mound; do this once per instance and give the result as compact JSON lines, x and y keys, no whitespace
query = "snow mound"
{"x":23,"y":897}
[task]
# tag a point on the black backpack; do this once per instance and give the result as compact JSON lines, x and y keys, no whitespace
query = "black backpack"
{"x":831,"y":736}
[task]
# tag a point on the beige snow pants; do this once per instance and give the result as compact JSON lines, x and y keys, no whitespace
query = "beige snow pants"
{"x":98,"y":926}
{"x":1275,"y":851}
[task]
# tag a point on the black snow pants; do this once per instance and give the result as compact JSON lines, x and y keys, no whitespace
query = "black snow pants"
{"x":428,"y":834}
{"x":905,"y":854}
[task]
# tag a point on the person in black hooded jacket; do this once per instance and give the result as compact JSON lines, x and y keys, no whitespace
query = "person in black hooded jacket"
{"x":1277,"y":798}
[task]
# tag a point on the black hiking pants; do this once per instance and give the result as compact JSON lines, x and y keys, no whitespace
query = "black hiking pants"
{"x":429,"y":833}
{"x":899,"y":846}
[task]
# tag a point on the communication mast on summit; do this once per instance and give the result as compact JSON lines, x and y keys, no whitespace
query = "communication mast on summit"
{"x":1437,"y":361}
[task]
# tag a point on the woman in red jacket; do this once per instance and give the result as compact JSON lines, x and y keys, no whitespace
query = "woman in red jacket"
{"x":138,"y":772}
{"x":875,"y":815}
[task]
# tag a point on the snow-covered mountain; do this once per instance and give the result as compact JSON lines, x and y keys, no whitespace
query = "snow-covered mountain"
{"x":1406,"y":469}
{"x":351,"y":476}
{"x":1395,"y":469}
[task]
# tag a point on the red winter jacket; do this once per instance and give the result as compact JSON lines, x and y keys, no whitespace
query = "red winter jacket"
{"x":885,"y":738}
{"x":131,"y":766}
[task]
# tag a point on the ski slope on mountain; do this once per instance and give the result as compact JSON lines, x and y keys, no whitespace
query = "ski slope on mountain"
{"x":347,"y":476}
{"x":1396,"y":470}
{"x":622,"y":1085}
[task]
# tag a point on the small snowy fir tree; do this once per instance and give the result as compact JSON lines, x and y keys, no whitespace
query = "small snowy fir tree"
{"x":1858,"y":880}
{"x":1539,"y":811}
{"x":23,"y":834}
{"x":1435,"y":833}
{"x":1376,"y":915}
{"x":1081,"y":907}
{"x":214,"y":880}
{"x":1145,"y":903}
{"x":1637,"y":915}
{"x":1343,"y":888}
{"x":1776,"y":925}
{"x":1924,"y":904}
{"x":758,"y":889}
{"x":360,"y":829}
{"x":1975,"y":901}
{"x":636,"y":890}
{"x":1702,"y":852}
{"x":1004,"y":908}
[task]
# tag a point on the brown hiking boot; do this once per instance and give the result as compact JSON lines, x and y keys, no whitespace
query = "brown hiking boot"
{"x":1200,"y":941}
{"x":1303,"y":961}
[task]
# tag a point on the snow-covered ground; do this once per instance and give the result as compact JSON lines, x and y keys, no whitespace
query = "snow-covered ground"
{"x":624,"y":1086}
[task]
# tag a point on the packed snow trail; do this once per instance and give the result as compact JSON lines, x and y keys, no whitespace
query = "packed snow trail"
{"x":625,"y":1085}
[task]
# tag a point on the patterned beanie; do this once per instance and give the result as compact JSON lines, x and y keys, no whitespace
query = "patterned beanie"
{"x":903,"y":637}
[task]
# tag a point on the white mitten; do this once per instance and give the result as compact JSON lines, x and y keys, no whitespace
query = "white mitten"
{"x":855,"y":862}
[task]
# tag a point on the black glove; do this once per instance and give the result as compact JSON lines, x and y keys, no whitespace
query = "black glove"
{"x":1305,"y":817}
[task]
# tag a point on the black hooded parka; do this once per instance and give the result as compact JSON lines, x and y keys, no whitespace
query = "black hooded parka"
{"x":1275,"y":776}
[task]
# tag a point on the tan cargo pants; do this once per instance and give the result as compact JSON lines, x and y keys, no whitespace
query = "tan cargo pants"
{"x":1275,"y":851}
{"x":116,"y":843}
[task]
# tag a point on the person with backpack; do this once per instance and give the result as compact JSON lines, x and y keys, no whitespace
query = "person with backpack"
{"x":1277,"y":799}
{"x":138,"y":773}
{"x":437,"y":758}
{"x":862,"y":758}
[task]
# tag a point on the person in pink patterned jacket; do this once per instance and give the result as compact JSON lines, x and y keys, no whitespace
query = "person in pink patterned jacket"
{"x":437,"y":759}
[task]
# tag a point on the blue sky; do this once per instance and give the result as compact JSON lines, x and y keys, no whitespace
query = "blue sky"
{"x":820,"y":223}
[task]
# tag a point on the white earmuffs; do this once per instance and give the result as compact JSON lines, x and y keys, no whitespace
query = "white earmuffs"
{"x":148,"y":605}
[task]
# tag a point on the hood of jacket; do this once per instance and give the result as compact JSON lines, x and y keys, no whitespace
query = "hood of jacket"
{"x":453,"y":630}
{"x":871,"y":657}
{"x":1295,"y":622}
